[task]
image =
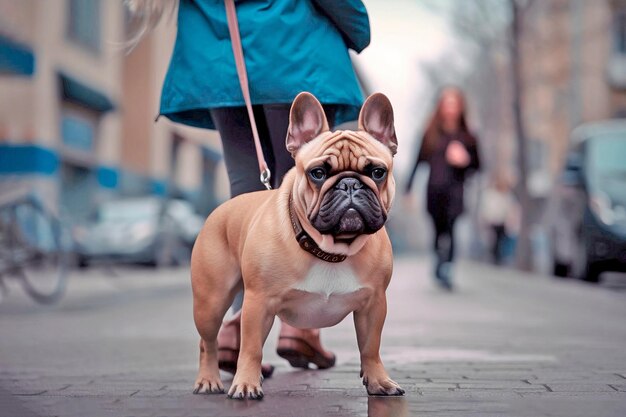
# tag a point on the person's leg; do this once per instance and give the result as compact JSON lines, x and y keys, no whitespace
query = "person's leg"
{"x":494,"y":243}
{"x":450,"y":233}
{"x":451,"y":252}
{"x":438,"y":244}
{"x":500,"y":235}
{"x":444,"y":248}
{"x":277,"y":117}
{"x":299,"y":346}
{"x":240,"y":156}
{"x":242,"y":166}
{"x":238,"y":146}
{"x":330,"y":110}
{"x":243,"y":174}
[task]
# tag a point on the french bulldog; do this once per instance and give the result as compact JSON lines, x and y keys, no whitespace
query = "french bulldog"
{"x":310,"y":252}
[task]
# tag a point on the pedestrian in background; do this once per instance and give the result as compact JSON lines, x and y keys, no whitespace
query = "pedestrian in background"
{"x":499,"y":211}
{"x":450,"y":149}
{"x":289,"y":47}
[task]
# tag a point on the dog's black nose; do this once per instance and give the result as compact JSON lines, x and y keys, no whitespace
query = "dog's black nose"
{"x":348,"y":184}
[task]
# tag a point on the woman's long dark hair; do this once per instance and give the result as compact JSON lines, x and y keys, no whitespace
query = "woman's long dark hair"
{"x":434,"y":127}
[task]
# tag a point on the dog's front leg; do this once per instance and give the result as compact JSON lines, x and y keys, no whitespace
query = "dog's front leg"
{"x":256,"y":323}
{"x":368,"y":322}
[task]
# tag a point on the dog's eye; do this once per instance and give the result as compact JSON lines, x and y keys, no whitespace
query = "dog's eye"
{"x":378,"y":174}
{"x":318,"y":174}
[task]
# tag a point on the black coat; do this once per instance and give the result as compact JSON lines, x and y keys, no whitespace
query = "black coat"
{"x":445,"y":183}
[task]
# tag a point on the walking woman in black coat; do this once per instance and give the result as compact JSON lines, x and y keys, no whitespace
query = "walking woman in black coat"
{"x":451,"y":152}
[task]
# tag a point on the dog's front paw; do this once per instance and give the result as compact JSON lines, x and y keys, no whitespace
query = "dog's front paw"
{"x":241,"y":390}
{"x":208,"y":385}
{"x":381,"y":385}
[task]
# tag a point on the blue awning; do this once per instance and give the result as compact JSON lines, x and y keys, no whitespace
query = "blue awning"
{"x":15,"y":58}
{"x":27,"y":159}
{"x":84,"y":95}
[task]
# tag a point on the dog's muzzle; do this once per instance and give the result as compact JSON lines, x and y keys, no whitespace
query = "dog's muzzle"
{"x":350,"y":208}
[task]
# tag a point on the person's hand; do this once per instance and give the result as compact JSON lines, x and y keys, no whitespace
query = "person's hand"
{"x":457,"y":155}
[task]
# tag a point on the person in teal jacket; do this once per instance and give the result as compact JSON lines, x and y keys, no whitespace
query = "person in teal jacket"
{"x":289,"y":46}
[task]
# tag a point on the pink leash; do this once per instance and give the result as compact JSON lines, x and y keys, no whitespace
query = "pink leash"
{"x":233,"y":28}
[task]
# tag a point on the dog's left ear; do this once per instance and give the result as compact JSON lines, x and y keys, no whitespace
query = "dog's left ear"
{"x":306,"y":121}
{"x":376,"y":118}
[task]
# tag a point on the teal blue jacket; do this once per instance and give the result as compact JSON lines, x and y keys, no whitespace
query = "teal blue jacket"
{"x":289,"y":46}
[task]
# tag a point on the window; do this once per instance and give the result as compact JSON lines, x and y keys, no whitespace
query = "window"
{"x":77,"y":131}
{"x":78,"y":185}
{"x":84,"y":23}
{"x":616,"y":68}
{"x":620,"y":32}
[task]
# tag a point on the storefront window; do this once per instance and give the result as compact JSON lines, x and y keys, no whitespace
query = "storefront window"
{"x":84,"y":23}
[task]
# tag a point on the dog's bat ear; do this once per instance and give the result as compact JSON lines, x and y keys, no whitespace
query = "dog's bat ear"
{"x":376,"y":118}
{"x":306,"y":121}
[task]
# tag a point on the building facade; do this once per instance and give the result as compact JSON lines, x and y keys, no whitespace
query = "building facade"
{"x":77,"y":114}
{"x":573,"y":55}
{"x":574,"y":71}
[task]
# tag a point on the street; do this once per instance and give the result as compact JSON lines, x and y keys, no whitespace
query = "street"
{"x":504,"y":343}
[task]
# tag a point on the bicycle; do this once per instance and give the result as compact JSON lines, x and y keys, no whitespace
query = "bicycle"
{"x":33,"y":247}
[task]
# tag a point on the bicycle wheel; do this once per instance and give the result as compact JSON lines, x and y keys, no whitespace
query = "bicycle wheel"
{"x":42,"y":253}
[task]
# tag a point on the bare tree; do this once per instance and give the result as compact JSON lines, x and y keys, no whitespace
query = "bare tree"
{"x":524,"y":250}
{"x":494,"y":26}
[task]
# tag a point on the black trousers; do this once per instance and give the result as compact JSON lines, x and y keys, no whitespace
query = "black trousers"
{"x":497,"y":249}
{"x":239,"y":153}
{"x":444,"y":240}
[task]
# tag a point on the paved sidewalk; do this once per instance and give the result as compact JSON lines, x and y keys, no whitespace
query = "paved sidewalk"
{"x":504,"y":344}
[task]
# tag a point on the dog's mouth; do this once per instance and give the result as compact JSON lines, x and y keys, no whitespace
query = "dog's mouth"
{"x":344,"y":241}
{"x":350,"y":223}
{"x":347,"y":227}
{"x":345,"y":238}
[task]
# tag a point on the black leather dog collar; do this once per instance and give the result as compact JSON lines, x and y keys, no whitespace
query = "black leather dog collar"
{"x":307,"y":243}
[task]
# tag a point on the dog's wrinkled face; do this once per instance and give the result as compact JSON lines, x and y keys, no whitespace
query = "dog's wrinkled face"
{"x":344,"y":183}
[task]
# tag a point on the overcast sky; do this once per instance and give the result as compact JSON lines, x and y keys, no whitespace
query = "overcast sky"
{"x":405,"y":36}
{"x":411,"y":38}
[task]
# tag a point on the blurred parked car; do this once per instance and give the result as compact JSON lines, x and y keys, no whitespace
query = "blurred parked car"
{"x":589,"y":227}
{"x":146,"y":230}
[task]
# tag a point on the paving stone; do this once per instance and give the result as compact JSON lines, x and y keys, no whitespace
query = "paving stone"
{"x":502,"y":345}
{"x":588,"y":388}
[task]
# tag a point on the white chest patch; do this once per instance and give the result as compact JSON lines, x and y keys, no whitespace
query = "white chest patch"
{"x":324,"y":297}
{"x":328,"y":279}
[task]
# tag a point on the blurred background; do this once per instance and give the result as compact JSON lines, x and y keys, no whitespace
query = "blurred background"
{"x":545,"y":82}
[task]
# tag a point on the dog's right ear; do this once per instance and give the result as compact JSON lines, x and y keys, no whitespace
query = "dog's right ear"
{"x":306,"y":121}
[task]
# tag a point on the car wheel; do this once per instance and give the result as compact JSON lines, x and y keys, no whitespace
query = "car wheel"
{"x":580,"y":264}
{"x":592,"y":273}
{"x":586,"y":270}
{"x":82,"y":262}
{"x":561,"y":269}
